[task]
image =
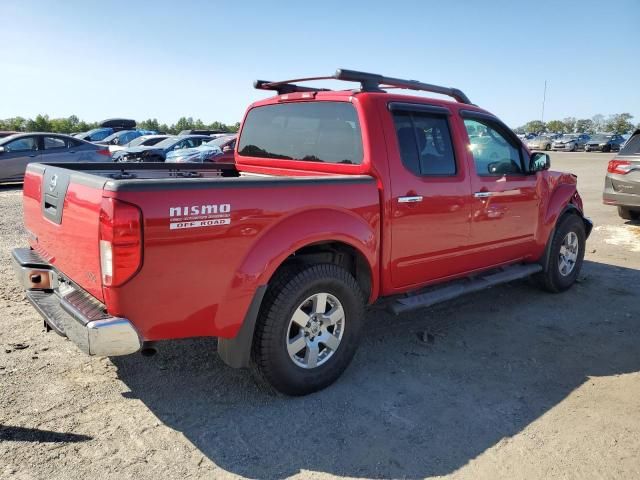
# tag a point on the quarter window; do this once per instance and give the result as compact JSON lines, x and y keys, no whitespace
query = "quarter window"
{"x":425,"y":143}
{"x":493,"y":153}
{"x":54,"y":143}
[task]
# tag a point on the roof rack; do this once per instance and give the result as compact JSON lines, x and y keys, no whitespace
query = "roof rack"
{"x":369,"y":82}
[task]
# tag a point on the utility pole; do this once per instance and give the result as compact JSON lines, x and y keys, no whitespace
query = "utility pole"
{"x":544,"y":98}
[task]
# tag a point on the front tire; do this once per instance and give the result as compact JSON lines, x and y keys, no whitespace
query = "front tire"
{"x":308,"y":328}
{"x":566,"y":255}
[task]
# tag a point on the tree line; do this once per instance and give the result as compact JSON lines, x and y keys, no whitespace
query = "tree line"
{"x":72,"y":124}
{"x":618,"y":123}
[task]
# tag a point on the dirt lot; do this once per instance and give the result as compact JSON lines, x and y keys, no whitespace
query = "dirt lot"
{"x":508,"y":383}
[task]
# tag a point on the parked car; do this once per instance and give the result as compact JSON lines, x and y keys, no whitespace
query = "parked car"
{"x":603,"y":142}
{"x":370,"y":196}
{"x":106,"y":128}
{"x":123,"y":137}
{"x":219,"y":150}
{"x":540,"y":142}
{"x":17,"y":151}
{"x":159,"y":151}
{"x":622,"y":182}
{"x":571,"y":142}
{"x":141,"y":141}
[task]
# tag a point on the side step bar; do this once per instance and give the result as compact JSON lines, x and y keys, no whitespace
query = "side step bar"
{"x":461,"y":287}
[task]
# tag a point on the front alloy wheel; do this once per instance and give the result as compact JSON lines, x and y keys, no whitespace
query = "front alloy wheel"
{"x":568,"y":255}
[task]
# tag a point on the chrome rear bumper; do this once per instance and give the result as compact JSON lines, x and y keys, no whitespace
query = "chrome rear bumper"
{"x":72,"y":312}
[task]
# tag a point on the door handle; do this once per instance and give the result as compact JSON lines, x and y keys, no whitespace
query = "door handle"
{"x":482,"y":194}
{"x":414,"y":199}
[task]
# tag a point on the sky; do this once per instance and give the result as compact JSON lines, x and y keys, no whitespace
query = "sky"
{"x":167,"y":59}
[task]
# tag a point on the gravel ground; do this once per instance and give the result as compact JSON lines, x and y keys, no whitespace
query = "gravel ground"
{"x":507,"y":383}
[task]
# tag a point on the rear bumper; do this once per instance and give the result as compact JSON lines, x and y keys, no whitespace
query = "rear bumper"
{"x":612,"y":197}
{"x":72,"y":312}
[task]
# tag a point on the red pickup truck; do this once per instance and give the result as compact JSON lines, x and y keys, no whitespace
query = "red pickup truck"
{"x":338,"y":199}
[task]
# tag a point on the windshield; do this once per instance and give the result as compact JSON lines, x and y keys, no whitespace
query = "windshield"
{"x":167,"y":142}
{"x":601,"y":138}
{"x":218,"y":142}
{"x":306,"y":131}
{"x":540,"y":137}
{"x":566,"y":138}
{"x":115,"y":135}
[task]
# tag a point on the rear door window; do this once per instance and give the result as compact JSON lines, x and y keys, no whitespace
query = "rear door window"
{"x":425,"y":143}
{"x":314,"y":132}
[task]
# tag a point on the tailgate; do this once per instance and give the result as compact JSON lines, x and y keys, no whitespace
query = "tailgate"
{"x":61,"y":215}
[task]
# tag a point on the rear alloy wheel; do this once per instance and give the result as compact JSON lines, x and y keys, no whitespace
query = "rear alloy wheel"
{"x":308,"y":328}
{"x":566,"y":255}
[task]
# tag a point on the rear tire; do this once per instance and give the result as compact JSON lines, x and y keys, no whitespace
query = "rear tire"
{"x":566,"y":255}
{"x":289,"y":352}
{"x":628,"y":214}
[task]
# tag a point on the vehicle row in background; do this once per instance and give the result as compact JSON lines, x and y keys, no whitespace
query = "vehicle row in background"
{"x":573,"y":142}
{"x":18,"y":150}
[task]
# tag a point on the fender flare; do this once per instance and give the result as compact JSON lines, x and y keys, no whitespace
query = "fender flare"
{"x":250,"y":282}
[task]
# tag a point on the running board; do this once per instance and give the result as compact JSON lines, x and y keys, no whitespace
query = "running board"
{"x":457,"y":288}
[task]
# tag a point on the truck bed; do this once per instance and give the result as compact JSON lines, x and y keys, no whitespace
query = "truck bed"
{"x":206,"y":230}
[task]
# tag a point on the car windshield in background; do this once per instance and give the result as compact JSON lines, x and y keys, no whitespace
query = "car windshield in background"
{"x":567,"y":138}
{"x":146,"y":141}
{"x":601,"y":138}
{"x":218,"y":142}
{"x":314,"y":132}
{"x":540,"y":138}
{"x":167,"y":142}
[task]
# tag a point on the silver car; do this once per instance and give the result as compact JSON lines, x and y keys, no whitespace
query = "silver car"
{"x":622,"y":183}
{"x":16,"y":151}
{"x":570,"y":142}
{"x":541,"y":142}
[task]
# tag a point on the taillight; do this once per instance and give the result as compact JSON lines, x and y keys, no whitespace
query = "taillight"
{"x":120,"y":241}
{"x":104,"y":152}
{"x":621,"y":167}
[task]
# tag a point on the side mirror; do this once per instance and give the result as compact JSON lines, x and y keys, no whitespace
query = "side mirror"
{"x":227,"y":149}
{"x":539,"y":161}
{"x":1,"y":149}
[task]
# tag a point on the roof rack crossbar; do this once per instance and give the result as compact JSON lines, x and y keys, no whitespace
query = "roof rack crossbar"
{"x":373,"y":81}
{"x":369,"y":82}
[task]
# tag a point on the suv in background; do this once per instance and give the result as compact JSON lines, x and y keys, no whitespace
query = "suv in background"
{"x":604,"y":142}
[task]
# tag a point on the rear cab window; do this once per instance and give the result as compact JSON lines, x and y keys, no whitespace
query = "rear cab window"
{"x":323,"y":131}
